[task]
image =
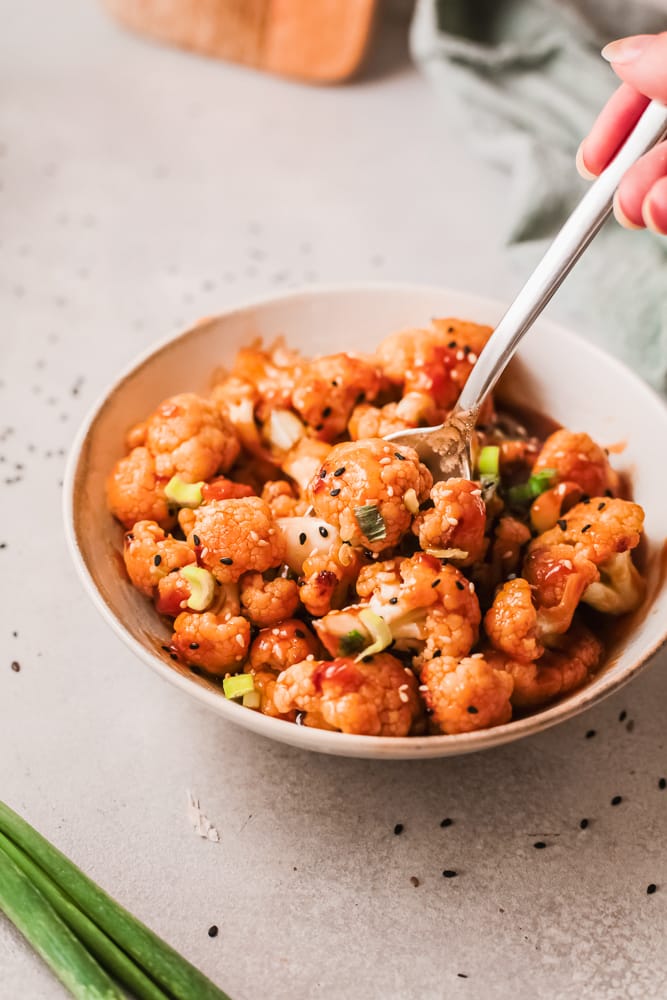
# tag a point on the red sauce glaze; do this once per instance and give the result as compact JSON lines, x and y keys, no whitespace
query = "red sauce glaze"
{"x":224,"y":489}
{"x":173,"y":592}
{"x":344,"y":674}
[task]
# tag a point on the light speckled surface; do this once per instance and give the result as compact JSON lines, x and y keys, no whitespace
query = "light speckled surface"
{"x":140,"y":188}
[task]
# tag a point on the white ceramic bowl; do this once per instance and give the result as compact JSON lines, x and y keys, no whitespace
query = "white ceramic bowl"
{"x":555,"y":372}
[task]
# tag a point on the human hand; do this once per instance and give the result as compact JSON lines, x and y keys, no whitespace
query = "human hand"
{"x":641,"y":199}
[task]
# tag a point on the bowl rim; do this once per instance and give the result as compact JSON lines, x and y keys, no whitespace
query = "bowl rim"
{"x":324,"y":741}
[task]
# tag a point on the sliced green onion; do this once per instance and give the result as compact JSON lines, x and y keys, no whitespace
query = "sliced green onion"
{"x":252,"y":699}
{"x":350,"y":643}
{"x":109,"y":955}
{"x":488,"y":462}
{"x":379,"y":630}
{"x":164,"y":965}
{"x":202,"y":587}
{"x":533,"y":488}
{"x":36,"y":919}
{"x":411,"y":501}
{"x":489,"y":486}
{"x":371,"y":522}
{"x":284,"y":429}
{"x":238,"y":685}
{"x":184,"y":494}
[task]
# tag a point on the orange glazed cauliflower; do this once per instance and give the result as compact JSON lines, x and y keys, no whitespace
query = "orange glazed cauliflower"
{"x":578,"y":459}
{"x":415,"y":409}
{"x":362,"y":488}
{"x":135,"y":492}
{"x":235,"y":536}
{"x":512,"y":623}
{"x":216,"y":643}
{"x":280,"y":497}
{"x":376,"y":698}
{"x":466,"y":694}
{"x":303,"y":461}
{"x":150,"y":555}
{"x":453,"y":518}
{"x":282,"y":646}
{"x":328,"y":390}
{"x":190,"y":437}
{"x":267,"y":602}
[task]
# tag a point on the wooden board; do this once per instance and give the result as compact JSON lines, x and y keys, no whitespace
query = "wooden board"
{"x":322,"y":41}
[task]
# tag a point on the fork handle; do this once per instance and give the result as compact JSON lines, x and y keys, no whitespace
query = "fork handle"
{"x":577,"y":232}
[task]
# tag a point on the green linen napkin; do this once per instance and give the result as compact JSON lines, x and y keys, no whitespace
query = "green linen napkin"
{"x":523,"y":80}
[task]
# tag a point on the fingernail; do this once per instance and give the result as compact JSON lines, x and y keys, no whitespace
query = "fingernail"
{"x":649,"y":216}
{"x":582,"y":169}
{"x":625,"y":50}
{"x":620,"y":215}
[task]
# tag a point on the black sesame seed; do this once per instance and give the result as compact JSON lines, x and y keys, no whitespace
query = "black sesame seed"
{"x":585,"y":498}
{"x":195,"y":539}
{"x":334,"y":383}
{"x":326,"y":412}
{"x":459,"y":585}
{"x":16,"y":666}
{"x":323,"y":532}
{"x":651,"y":888}
{"x":662,"y":784}
{"x":583,"y":823}
{"x":617,"y":799}
{"x":194,"y":645}
{"x":157,"y":560}
{"x":323,"y":473}
{"x":334,"y":493}
{"x":562,"y":523}
{"x":393,"y":600}
{"x":446,"y":822}
{"x":360,"y":398}
{"x":226,"y":561}
{"x":539,"y":845}
{"x":623,"y":716}
{"x":339,"y":472}
{"x":436,"y":583}
{"x":601,"y":506}
{"x":452,"y":344}
{"x":427,"y":505}
{"x":167,"y":649}
{"x":398,"y":455}
{"x":299,"y":634}
{"x":213,"y":931}
{"x":173,"y":656}
{"x":449,"y":873}
{"x":450,"y":329}
{"x":319,"y":427}
{"x":414,"y":881}
{"x":472,"y":710}
{"x":590,"y":734}
{"x":586,"y":527}
{"x":398,"y":829}
{"x":462,"y":975}
{"x":608,"y":493}
{"x":302,"y":538}
{"x":466,"y":349}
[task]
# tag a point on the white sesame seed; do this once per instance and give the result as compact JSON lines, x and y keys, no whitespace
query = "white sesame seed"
{"x":508,"y":554}
{"x":452,"y":520}
{"x":567,"y":564}
{"x":404,"y":696}
{"x":472,"y":357}
{"x":275,"y":631}
{"x":262,"y":541}
{"x":240,"y":641}
{"x":475,"y":493}
{"x":254,"y":536}
{"x":471,"y":587}
{"x":183,"y":605}
{"x":310,"y":657}
{"x":390,"y":491}
{"x":460,"y":356}
{"x":204,"y":552}
{"x":238,"y":659}
{"x":403,"y":687}
{"x":477,"y":656}
{"x":423,"y":688}
{"x":385,"y":461}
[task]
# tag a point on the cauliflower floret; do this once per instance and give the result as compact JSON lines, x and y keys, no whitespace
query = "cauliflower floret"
{"x":558,"y":671}
{"x":415,"y":409}
{"x":216,"y":643}
{"x":466,"y":694}
{"x":135,"y":492}
{"x":279,"y":495}
{"x":150,"y":555}
{"x":577,"y":458}
{"x":236,"y":536}
{"x":428,"y":608}
{"x":376,"y":698}
{"x":235,"y":399}
{"x":455,"y":518}
{"x":511,"y":622}
{"x":265,"y":683}
{"x":371,"y":473}
{"x":328,"y":390}
{"x":303,"y":461}
{"x":547,"y":509}
{"x":592,"y":544}
{"x":267,"y":602}
{"x":189,"y":437}
{"x":328,"y":574}
{"x":282,"y":646}
{"x":273,"y":373}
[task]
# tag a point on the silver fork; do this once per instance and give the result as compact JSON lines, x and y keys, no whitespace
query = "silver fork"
{"x":445,"y":449}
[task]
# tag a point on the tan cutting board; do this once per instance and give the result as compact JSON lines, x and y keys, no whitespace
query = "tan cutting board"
{"x":322,"y":41}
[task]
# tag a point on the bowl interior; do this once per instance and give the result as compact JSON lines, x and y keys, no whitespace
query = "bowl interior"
{"x":555,"y":373}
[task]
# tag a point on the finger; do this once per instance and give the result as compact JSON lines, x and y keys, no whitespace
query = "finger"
{"x":654,"y":209}
{"x":637,"y":182}
{"x":612,"y":127}
{"x":641,"y":61}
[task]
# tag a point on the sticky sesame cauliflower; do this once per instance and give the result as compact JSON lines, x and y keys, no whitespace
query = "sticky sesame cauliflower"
{"x":364,"y":488}
{"x":317,"y":575}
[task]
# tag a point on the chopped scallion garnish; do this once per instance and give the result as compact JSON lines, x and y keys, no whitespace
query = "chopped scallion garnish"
{"x":533,"y":488}
{"x":184,"y":494}
{"x":379,"y":630}
{"x":351,"y":642}
{"x":238,"y":685}
{"x":488,"y":462}
{"x":202,"y":587}
{"x":371,"y":522}
{"x":252,"y":699}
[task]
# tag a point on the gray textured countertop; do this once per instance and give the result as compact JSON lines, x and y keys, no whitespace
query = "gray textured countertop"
{"x":139,"y":189}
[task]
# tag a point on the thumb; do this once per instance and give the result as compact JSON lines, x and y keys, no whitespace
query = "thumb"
{"x":641,"y":61}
